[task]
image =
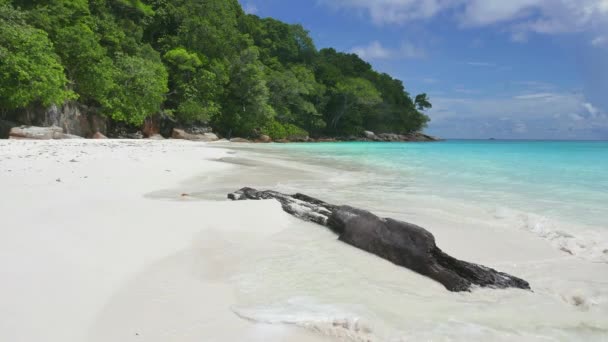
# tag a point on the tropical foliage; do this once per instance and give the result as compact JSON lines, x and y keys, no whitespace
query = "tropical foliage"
{"x":201,"y":61}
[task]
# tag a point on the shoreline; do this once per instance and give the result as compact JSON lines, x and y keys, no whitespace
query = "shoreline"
{"x":205,"y":135}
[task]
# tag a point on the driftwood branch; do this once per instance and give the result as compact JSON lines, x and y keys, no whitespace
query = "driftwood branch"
{"x":402,"y":243}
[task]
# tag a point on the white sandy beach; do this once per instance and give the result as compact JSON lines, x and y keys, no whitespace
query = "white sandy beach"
{"x":85,"y":256}
{"x":127,"y":241}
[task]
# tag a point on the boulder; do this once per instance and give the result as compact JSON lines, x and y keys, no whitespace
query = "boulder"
{"x":326,"y":140}
{"x":210,"y":136}
{"x":136,"y":135}
{"x":369,"y":135}
{"x":264,"y":139}
{"x":181,"y":134}
{"x":40,"y":133}
{"x":151,"y":126}
{"x":239,"y":140}
{"x":5,"y":128}
{"x":156,"y":137}
{"x":401,"y":243}
{"x":98,"y":135}
{"x":198,"y":129}
{"x":390,"y":137}
{"x":33,"y":132}
{"x":300,"y":138}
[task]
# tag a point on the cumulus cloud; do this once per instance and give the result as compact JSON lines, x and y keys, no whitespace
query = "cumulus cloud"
{"x":521,"y":16}
{"x":599,"y":41}
{"x":392,"y":11}
{"x":375,"y":50}
{"x":557,"y":115}
{"x":250,"y":8}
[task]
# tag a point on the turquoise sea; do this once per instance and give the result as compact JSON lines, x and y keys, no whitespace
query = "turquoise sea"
{"x":536,"y":209}
{"x":562,"y":179}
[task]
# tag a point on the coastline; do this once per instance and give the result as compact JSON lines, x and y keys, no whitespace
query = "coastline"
{"x":147,"y":247}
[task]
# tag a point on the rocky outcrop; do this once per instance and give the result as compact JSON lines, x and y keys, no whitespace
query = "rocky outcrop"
{"x":40,"y":133}
{"x":392,"y":137}
{"x":409,"y":137}
{"x":402,"y":243}
{"x":5,"y":128}
{"x":182,"y":134}
{"x":32,"y":132}
{"x":263,"y":139}
{"x":98,"y":135}
{"x":73,"y":118}
{"x":326,"y":140}
{"x":369,"y":135}
{"x":156,"y":137}
{"x":159,"y":124}
{"x":239,"y":140}
{"x":194,"y":129}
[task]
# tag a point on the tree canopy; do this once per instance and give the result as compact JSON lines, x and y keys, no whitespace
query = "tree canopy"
{"x":200,"y":61}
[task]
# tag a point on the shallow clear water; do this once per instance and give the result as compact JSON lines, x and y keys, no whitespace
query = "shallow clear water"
{"x":533,"y":209}
{"x":561,"y":179}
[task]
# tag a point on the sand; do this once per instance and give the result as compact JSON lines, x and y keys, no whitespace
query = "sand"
{"x":88,"y":253}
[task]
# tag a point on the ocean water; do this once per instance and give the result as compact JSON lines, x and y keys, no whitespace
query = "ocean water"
{"x":557,"y":189}
{"x":536,"y":209}
{"x":563,"y":179}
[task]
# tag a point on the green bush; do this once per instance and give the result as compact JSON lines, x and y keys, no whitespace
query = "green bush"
{"x":295,"y":132}
{"x":277,"y":130}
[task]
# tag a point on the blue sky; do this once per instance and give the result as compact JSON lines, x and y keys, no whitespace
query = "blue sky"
{"x":511,"y":69}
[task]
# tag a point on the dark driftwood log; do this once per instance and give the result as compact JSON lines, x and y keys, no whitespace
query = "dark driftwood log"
{"x":402,"y":243}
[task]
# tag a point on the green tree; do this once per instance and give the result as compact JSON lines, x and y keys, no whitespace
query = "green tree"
{"x":245,"y":107}
{"x":290,"y":93}
{"x":238,"y":72}
{"x":354,"y":96}
{"x":141,"y":85}
{"x":30,"y":72}
{"x":422,"y":102}
{"x":88,"y":68}
{"x":194,"y":89}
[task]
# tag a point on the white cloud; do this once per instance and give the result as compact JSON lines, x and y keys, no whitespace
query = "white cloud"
{"x":556,"y":115}
{"x":409,"y":50}
{"x":591,"y":109}
{"x":464,"y":90}
{"x":599,"y":41}
{"x":535,"y":96}
{"x":393,"y":11}
{"x":520,"y":16}
{"x":375,"y":50}
{"x":519,"y":37}
{"x":481,"y":64}
{"x":250,"y":8}
{"x":487,"y":12}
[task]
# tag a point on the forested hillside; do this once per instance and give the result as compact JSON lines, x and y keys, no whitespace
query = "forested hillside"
{"x":198,"y":61}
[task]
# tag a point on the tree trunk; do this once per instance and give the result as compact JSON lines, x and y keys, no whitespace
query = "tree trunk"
{"x":402,"y":243}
